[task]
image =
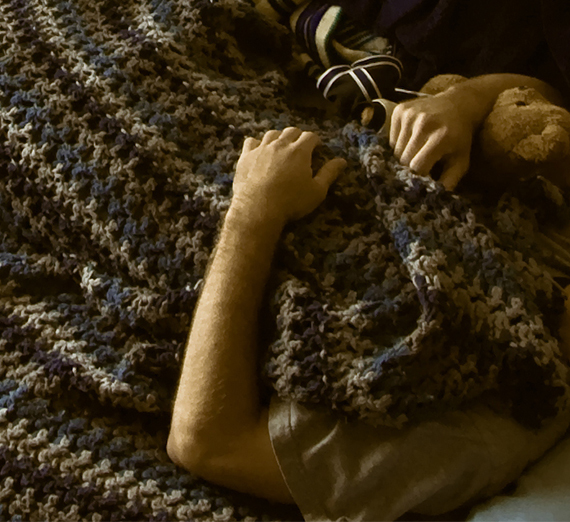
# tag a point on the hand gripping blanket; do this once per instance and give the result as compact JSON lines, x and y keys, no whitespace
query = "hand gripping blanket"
{"x":120,"y":127}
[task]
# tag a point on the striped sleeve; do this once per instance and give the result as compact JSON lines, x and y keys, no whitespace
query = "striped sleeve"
{"x":324,"y":33}
{"x":351,"y":65}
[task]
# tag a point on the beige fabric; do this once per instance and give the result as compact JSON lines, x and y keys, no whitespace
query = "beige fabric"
{"x":339,"y":470}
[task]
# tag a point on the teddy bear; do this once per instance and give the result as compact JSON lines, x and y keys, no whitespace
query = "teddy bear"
{"x":524,"y":135}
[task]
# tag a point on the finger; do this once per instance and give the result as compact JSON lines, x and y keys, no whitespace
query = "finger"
{"x":309,"y":139}
{"x":249,"y":144}
{"x":329,"y":172}
{"x":427,"y":157}
{"x":403,"y":139}
{"x":270,"y":136}
{"x":413,"y":147}
{"x":454,"y":172}
{"x":395,"y":125}
{"x":291,"y":134}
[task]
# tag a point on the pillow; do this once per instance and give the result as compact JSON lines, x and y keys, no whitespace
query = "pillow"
{"x":542,"y":493}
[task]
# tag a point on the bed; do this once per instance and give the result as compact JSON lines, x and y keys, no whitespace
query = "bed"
{"x":121,"y":123}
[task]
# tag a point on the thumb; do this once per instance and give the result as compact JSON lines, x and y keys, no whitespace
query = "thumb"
{"x":330,"y":171}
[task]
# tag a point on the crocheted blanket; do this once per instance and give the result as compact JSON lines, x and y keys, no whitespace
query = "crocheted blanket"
{"x":420,"y":302}
{"x":121,"y":123}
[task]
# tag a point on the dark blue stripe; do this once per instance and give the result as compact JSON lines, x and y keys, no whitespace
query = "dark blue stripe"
{"x":369,"y":86}
{"x":333,"y":75}
{"x":306,"y":29}
{"x":386,"y":76}
{"x":378,"y":59}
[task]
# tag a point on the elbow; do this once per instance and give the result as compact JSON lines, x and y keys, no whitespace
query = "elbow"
{"x":184,"y":451}
{"x":172,"y":448}
{"x":191,"y":444}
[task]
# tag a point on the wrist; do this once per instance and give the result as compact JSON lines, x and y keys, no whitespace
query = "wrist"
{"x":253,"y":219}
{"x":472,"y":103}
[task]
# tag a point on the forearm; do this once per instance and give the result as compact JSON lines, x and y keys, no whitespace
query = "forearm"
{"x":477,"y":96}
{"x":217,"y":413}
{"x":218,"y":391}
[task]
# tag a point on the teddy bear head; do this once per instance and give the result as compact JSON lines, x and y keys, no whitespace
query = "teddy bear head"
{"x":526,"y":135}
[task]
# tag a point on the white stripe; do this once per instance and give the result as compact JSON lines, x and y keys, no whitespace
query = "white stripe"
{"x":391,"y":64}
{"x":328,"y":88}
{"x":419,"y":94}
{"x":325,"y":27}
{"x":359,"y":83}
{"x":372,"y":82}
{"x":332,"y":80}
{"x":294,"y":17}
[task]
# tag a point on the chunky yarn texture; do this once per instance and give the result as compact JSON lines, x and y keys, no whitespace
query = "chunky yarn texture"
{"x":398,"y":301}
{"x":120,"y":126}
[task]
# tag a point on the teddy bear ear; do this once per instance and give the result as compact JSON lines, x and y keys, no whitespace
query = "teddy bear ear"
{"x":519,"y":96}
{"x":553,"y":144}
{"x":441,"y":83}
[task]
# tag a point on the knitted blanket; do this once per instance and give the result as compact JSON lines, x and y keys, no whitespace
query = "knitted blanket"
{"x":121,"y":123}
{"x":419,"y":302}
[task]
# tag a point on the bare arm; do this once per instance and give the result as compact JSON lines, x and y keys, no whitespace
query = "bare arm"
{"x":440,"y":128}
{"x":219,"y":429}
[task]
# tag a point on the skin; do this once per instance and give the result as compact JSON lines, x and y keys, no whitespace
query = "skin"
{"x":425,"y":131}
{"x":219,"y":429}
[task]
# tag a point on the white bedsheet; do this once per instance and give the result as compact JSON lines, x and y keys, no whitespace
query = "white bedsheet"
{"x":542,"y":493}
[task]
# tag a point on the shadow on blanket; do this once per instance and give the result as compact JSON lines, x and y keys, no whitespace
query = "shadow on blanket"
{"x":121,"y":123}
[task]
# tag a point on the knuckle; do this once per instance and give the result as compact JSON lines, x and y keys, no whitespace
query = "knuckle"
{"x":291,"y":131}
{"x":422,"y":117}
{"x":425,"y":121}
{"x":445,"y":132}
{"x":405,"y":106}
{"x":408,"y":115}
{"x":398,"y":110}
